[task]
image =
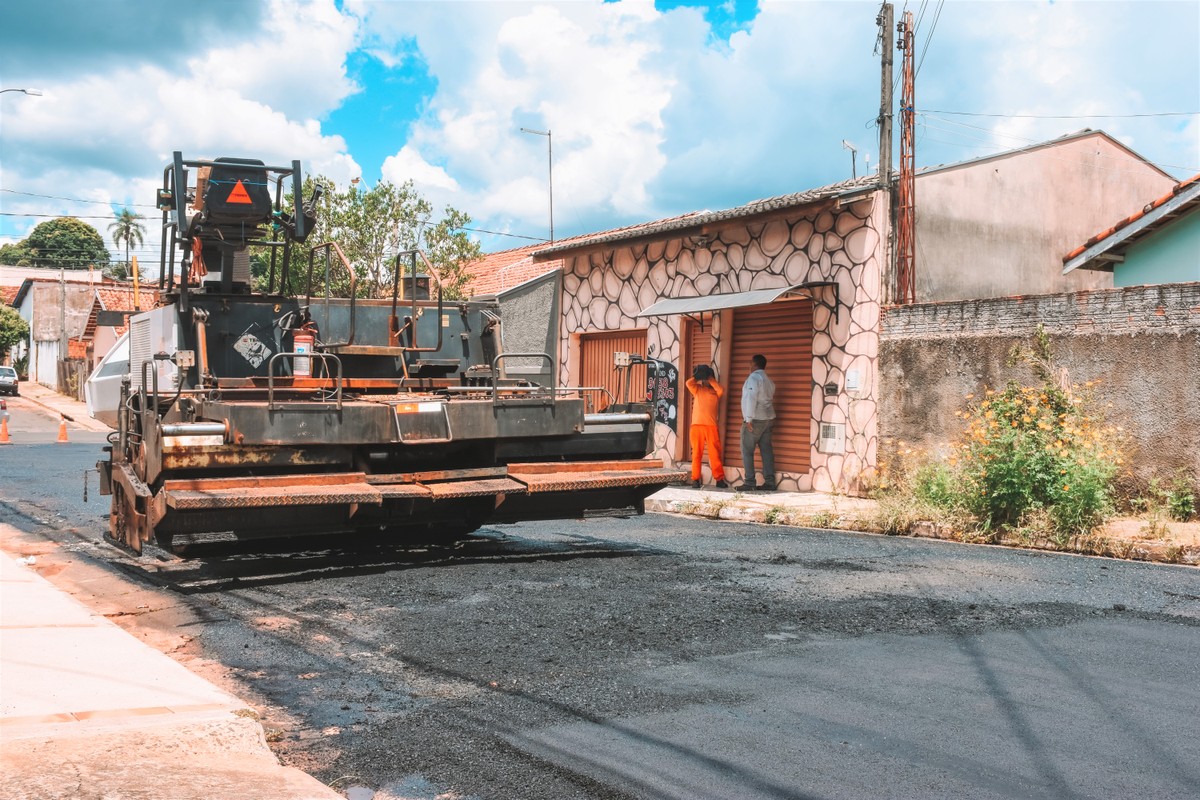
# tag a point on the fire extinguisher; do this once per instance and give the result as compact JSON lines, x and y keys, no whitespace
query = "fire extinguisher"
{"x":302,"y":344}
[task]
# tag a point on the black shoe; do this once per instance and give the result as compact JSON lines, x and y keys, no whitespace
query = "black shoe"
{"x":768,"y":487}
{"x":695,"y":484}
{"x":722,"y":485}
{"x":747,"y":487}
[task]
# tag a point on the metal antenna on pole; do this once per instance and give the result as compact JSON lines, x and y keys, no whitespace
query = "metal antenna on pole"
{"x":853,"y":158}
{"x":550,"y":160}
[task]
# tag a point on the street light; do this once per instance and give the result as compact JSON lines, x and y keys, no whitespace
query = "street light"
{"x":31,"y":92}
{"x":550,"y":161}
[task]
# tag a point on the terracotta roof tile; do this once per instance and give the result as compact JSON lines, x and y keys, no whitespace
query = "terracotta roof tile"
{"x":496,"y":272}
{"x":696,"y":219}
{"x":1132,"y":218}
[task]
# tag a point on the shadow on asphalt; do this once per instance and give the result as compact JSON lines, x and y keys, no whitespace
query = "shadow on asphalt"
{"x":240,"y":565}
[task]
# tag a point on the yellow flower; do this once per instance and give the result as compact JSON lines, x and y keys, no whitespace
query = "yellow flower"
{"x":1066,"y":488}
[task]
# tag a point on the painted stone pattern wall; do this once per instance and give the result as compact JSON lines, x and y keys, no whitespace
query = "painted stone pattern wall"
{"x":1138,"y":346}
{"x":604,"y":290}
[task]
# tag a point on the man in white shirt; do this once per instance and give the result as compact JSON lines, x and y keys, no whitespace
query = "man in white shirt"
{"x":758,"y":418}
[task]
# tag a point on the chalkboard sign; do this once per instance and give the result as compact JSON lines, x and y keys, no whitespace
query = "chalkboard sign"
{"x":662,"y":389}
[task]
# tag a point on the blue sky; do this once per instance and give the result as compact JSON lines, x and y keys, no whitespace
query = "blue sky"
{"x":656,"y":109}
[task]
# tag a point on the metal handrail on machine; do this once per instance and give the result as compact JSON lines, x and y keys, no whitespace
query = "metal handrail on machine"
{"x":325,"y":358}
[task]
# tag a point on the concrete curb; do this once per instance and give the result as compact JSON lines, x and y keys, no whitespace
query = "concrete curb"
{"x":825,"y":512}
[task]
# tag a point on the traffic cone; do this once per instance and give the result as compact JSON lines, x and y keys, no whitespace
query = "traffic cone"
{"x":62,"y":429}
{"x":4,"y":431}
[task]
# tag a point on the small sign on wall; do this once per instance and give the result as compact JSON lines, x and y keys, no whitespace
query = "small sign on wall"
{"x":662,"y":389}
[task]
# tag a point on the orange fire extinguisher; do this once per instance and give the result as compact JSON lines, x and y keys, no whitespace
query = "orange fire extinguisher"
{"x":302,"y":343}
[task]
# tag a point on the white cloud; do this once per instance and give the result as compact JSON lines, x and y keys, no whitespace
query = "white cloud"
{"x":296,"y":64}
{"x":590,"y":73}
{"x":651,"y":114}
{"x":409,"y":165}
{"x":107,"y":133}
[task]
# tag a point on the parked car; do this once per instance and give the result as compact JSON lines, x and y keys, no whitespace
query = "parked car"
{"x":8,"y":381}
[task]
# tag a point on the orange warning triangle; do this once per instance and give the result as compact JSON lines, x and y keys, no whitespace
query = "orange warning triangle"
{"x":239,"y":195}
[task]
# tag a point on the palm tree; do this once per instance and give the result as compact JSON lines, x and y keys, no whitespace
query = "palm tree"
{"x":127,"y":230}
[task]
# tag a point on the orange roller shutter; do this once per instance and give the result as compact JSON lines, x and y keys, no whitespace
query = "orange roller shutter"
{"x":699,"y":351}
{"x":782,"y":332}
{"x":596,"y":364}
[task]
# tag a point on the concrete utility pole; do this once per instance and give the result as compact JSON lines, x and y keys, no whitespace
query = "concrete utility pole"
{"x":62,"y":315}
{"x":906,"y":198}
{"x":885,"y":21}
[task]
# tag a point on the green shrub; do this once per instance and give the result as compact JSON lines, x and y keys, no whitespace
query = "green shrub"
{"x":937,"y":484}
{"x":1181,"y":499}
{"x":1026,"y":450}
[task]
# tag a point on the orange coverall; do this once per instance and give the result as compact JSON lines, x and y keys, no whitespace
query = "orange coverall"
{"x":704,"y":427}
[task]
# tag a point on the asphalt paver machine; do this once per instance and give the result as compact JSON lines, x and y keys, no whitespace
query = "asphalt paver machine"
{"x":250,"y":411}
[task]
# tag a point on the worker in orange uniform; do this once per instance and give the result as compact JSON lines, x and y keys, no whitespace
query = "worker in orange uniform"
{"x":706,"y":393}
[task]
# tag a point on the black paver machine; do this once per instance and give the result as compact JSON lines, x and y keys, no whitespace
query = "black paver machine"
{"x":249,"y":414}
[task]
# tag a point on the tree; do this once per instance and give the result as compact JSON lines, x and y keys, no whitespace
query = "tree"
{"x":449,"y":249}
{"x":66,"y":243}
{"x":128,"y":231}
{"x":371,"y":227}
{"x":15,"y":255}
{"x":13,"y":329}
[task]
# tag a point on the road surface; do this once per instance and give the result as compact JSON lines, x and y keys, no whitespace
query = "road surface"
{"x":662,"y":657}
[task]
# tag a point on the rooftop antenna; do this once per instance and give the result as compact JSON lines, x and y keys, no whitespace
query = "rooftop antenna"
{"x":550,"y":160}
{"x":853,"y":160}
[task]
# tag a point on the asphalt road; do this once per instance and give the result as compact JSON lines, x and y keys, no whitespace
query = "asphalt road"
{"x":660,"y":657}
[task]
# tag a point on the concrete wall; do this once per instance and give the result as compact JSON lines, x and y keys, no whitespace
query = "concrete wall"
{"x":529,"y":314}
{"x":1000,"y":227}
{"x":1140,"y":346}
{"x":1170,"y":255}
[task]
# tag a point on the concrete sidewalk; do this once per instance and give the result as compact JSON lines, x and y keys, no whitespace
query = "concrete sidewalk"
{"x":89,"y":712}
{"x":60,"y":405}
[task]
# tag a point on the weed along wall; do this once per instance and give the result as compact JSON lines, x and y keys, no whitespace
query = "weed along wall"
{"x":1134,"y":352}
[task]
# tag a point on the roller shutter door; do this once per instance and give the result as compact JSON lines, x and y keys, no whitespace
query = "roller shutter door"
{"x":698,"y":341}
{"x":596,"y":364}
{"x":782,"y":332}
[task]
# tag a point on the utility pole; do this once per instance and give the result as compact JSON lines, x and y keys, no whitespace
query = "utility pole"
{"x":63,"y":341}
{"x":906,"y":207}
{"x":885,"y":21}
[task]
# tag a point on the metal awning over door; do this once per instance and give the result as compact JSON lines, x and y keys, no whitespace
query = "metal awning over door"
{"x":695,"y":306}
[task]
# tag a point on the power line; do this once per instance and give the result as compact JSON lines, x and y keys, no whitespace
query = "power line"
{"x":511,"y":235}
{"x":1064,"y":116}
{"x":929,"y":36}
{"x":80,"y":200}
{"x":55,"y":216}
